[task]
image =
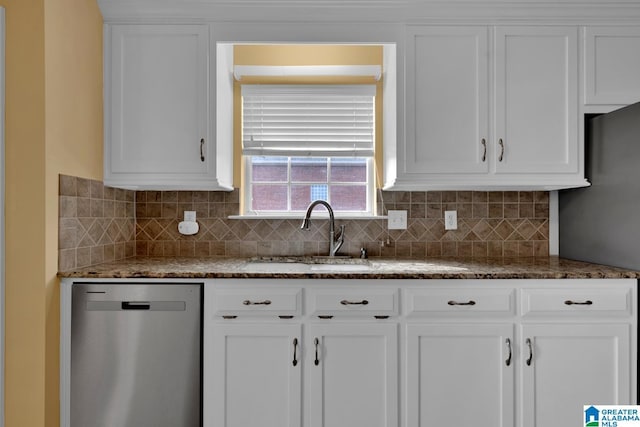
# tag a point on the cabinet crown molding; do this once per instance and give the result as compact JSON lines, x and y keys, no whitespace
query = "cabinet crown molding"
{"x":396,"y":11}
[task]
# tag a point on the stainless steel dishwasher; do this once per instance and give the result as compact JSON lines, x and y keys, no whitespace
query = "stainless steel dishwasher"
{"x":136,"y":355}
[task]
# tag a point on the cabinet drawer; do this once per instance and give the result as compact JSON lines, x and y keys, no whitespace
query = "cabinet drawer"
{"x":576,"y":302}
{"x":353,"y":302}
{"x":258,"y":302}
{"x":456,"y":302}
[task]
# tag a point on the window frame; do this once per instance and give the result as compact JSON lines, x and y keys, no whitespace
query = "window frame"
{"x":369,"y":184}
{"x":227,"y":95}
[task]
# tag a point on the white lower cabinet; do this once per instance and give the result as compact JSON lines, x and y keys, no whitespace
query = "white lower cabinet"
{"x":353,"y":375}
{"x":460,"y":375}
{"x":270,"y":364}
{"x":256,"y":375}
{"x":464,"y":374}
{"x":567,"y":366}
{"x":417,"y":353}
{"x":256,"y":378}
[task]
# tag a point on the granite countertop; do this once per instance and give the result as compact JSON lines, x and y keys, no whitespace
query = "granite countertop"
{"x":322,"y":268}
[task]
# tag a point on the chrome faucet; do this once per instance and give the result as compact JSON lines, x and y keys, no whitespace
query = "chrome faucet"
{"x":334,"y":244}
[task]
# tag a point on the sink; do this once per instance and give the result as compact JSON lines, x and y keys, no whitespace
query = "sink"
{"x":340,"y":267}
{"x":275,"y":267}
{"x":305,"y":265}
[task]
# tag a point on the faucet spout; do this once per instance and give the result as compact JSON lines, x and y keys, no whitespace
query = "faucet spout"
{"x":339,"y":241}
{"x":334,"y":244}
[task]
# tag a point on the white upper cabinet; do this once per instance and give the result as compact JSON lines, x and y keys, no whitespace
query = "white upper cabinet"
{"x":447,"y":118}
{"x":536,"y":107}
{"x":504,"y":116}
{"x":491,"y":100}
{"x":612,"y":66}
{"x":157,"y":109}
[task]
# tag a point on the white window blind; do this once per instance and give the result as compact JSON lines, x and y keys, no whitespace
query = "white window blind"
{"x":314,"y":120}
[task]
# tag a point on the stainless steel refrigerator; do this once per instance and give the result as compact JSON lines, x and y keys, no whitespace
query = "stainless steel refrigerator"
{"x":601,"y":223}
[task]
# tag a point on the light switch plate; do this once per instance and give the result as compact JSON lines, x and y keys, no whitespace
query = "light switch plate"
{"x":397,"y":220}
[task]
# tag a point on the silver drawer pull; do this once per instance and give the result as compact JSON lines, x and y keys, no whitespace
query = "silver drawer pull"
{"x":345,"y":302}
{"x":470,"y":302}
{"x":587,"y":302}
{"x":265,"y":302}
{"x":530,"y":346}
{"x":508,"y":361}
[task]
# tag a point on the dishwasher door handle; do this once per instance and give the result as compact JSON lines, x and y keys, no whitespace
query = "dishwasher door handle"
{"x":133,"y":305}
{"x":136,"y":305}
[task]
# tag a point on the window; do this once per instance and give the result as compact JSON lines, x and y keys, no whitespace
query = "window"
{"x":288,"y":184}
{"x":302,"y":143}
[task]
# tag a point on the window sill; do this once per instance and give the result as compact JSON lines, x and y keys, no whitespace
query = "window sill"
{"x":314,"y":216}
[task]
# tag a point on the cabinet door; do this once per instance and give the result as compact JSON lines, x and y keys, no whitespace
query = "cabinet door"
{"x":353,"y":375}
{"x":612,"y":65}
{"x":157,"y":102}
{"x":460,"y":375}
{"x":254,"y":376}
{"x":568,"y":366}
{"x":536,"y":100}
{"x":447,"y":100}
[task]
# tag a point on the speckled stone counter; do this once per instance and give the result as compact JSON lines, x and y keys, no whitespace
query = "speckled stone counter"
{"x":494,"y":268}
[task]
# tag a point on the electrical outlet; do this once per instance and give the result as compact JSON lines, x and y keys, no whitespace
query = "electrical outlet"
{"x":450,"y":220}
{"x":397,"y":220}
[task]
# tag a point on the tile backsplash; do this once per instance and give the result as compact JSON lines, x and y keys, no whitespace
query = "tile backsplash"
{"x":100,"y":224}
{"x":96,"y":223}
{"x":490,"y":224}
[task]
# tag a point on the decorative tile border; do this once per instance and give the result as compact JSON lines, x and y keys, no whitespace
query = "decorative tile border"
{"x":96,"y":223}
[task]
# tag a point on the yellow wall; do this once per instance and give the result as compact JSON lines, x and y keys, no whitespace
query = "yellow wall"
{"x":53,"y":125}
{"x":303,"y":54}
{"x":24,"y":209}
{"x":307,"y":54}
